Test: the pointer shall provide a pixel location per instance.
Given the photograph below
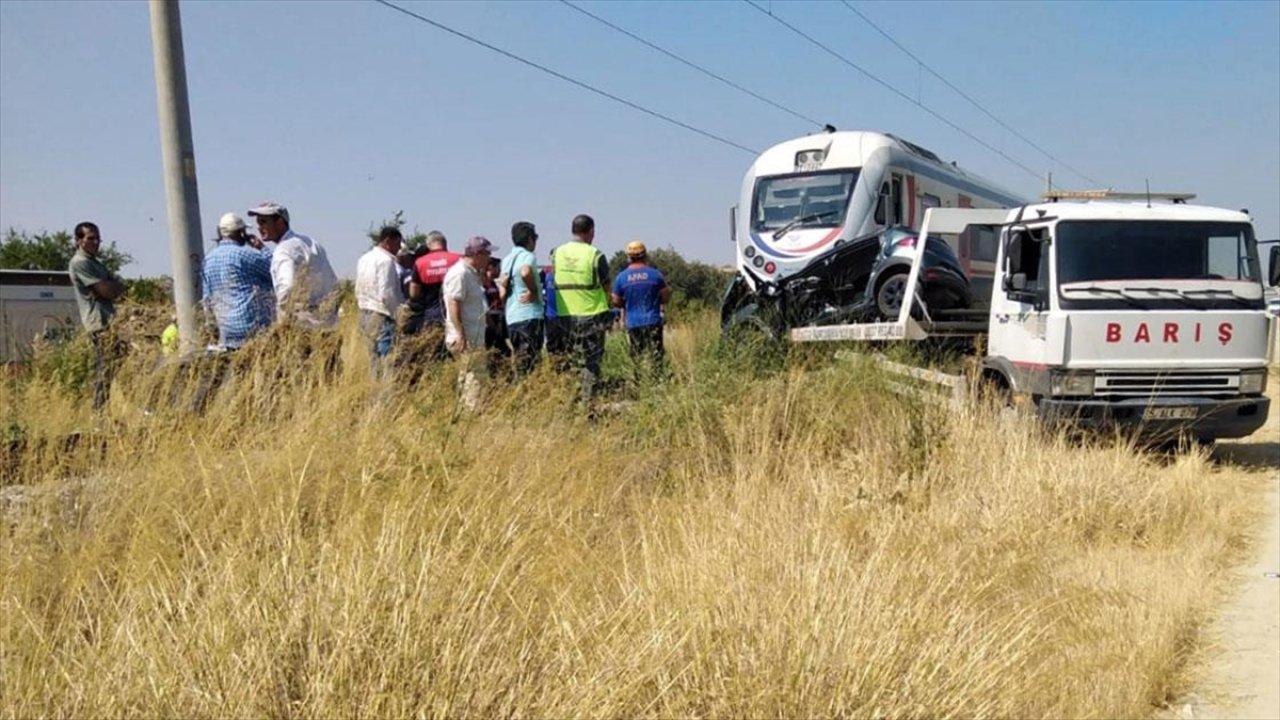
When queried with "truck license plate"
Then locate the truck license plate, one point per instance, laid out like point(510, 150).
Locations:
point(1185, 412)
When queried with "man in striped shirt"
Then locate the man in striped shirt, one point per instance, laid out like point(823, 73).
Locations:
point(236, 280)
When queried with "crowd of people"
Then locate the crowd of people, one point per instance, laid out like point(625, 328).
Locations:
point(484, 312)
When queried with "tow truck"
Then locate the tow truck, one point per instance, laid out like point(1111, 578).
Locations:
point(1108, 310)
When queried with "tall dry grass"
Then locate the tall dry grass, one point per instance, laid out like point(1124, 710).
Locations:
point(743, 540)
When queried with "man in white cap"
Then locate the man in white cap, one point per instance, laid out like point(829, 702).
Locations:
point(300, 270)
point(465, 309)
point(236, 281)
point(231, 227)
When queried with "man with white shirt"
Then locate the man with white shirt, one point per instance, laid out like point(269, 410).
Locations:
point(379, 294)
point(465, 308)
point(304, 281)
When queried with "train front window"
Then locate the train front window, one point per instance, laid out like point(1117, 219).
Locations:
point(803, 200)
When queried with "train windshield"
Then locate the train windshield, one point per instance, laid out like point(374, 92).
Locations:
point(1156, 250)
point(803, 200)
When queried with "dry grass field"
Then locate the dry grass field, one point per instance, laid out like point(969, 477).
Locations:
point(747, 539)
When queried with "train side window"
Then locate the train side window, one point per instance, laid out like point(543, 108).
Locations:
point(930, 201)
point(881, 216)
point(983, 244)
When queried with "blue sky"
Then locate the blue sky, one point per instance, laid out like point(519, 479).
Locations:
point(348, 111)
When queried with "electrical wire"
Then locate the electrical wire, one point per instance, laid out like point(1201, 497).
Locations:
point(886, 85)
point(572, 81)
point(965, 95)
point(693, 65)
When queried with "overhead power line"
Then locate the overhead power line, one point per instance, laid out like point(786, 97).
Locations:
point(963, 94)
point(886, 85)
point(572, 81)
point(693, 65)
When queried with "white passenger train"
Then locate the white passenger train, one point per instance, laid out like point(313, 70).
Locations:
point(804, 197)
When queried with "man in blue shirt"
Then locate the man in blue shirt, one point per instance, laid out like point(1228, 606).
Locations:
point(520, 286)
point(236, 281)
point(641, 291)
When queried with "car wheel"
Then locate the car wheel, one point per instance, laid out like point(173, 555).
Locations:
point(889, 294)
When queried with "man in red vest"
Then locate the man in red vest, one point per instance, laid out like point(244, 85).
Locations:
point(429, 271)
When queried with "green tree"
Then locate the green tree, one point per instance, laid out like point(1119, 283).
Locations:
point(413, 239)
point(51, 251)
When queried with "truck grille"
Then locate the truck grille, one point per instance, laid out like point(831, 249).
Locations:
point(1148, 383)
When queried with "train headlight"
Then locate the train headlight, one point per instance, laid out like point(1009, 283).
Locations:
point(1071, 383)
point(1253, 382)
point(808, 160)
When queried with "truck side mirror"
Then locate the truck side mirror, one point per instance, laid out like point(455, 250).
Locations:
point(1273, 272)
point(733, 224)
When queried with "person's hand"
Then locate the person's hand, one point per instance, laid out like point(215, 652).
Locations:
point(255, 242)
point(526, 297)
point(459, 344)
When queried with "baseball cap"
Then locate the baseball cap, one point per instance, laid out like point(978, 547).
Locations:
point(477, 245)
point(230, 223)
point(635, 248)
point(270, 208)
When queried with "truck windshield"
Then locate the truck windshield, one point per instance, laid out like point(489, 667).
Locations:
point(814, 199)
point(1090, 251)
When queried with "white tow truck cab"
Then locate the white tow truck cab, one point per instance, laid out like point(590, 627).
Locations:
point(1105, 313)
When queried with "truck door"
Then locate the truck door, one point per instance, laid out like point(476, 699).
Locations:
point(1019, 342)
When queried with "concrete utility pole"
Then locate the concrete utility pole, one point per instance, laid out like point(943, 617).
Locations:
point(179, 167)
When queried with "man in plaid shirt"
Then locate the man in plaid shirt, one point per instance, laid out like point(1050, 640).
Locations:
point(237, 284)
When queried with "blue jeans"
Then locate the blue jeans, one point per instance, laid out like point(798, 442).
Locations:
point(380, 331)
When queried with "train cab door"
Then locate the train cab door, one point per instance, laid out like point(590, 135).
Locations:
point(897, 210)
point(891, 209)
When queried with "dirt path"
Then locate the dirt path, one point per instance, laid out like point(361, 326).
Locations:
point(1243, 680)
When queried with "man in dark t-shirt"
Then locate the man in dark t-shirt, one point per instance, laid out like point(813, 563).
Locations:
point(641, 291)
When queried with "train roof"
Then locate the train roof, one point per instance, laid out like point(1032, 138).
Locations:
point(852, 148)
